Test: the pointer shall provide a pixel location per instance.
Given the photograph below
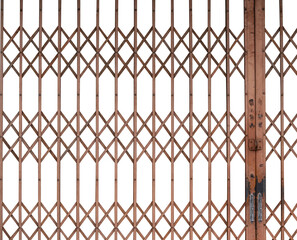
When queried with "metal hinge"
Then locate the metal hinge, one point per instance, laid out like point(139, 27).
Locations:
point(255, 144)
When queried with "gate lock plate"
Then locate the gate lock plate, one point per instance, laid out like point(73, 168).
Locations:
point(255, 144)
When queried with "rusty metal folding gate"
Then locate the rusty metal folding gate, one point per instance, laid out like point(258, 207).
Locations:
point(148, 119)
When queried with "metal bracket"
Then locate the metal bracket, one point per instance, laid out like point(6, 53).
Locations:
point(252, 207)
point(255, 144)
point(259, 207)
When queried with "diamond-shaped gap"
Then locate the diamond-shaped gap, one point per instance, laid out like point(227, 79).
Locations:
point(218, 42)
point(126, 225)
point(126, 48)
point(106, 130)
point(88, 70)
point(218, 67)
point(181, 50)
point(200, 51)
point(236, 53)
point(181, 225)
point(88, 50)
point(87, 226)
point(290, 52)
point(124, 142)
point(163, 50)
point(106, 50)
point(11, 135)
point(291, 135)
point(144, 136)
point(218, 138)
point(50, 52)
point(219, 226)
point(10, 225)
point(68, 130)
point(181, 126)
point(181, 67)
point(30, 226)
point(125, 118)
point(237, 136)
point(11, 152)
point(70, 48)
point(11, 50)
point(11, 72)
point(49, 225)
point(163, 134)
point(200, 226)
point(144, 226)
point(273, 134)
point(87, 133)
point(182, 151)
point(105, 225)
point(145, 50)
point(273, 224)
point(162, 227)
point(200, 148)
point(291, 224)
point(49, 135)
point(30, 49)
point(88, 152)
point(67, 226)
point(50, 43)
point(238, 225)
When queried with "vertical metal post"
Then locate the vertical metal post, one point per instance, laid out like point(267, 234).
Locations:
point(97, 125)
point(191, 114)
point(228, 118)
point(249, 33)
point(135, 125)
point(39, 117)
point(20, 118)
point(172, 119)
point(281, 35)
point(116, 120)
point(209, 113)
point(59, 124)
point(1, 120)
point(154, 120)
point(260, 116)
point(78, 124)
